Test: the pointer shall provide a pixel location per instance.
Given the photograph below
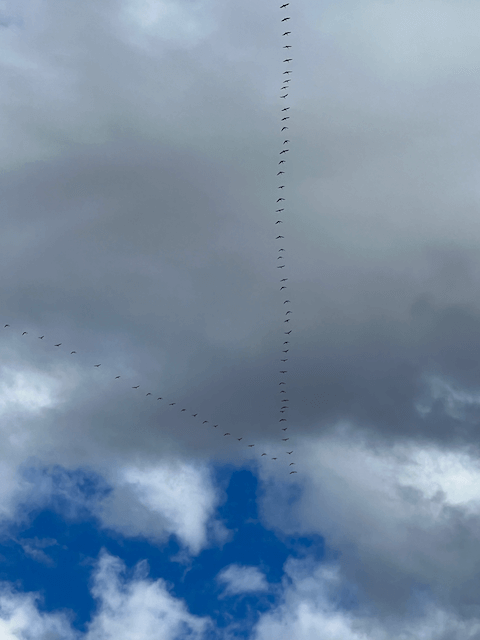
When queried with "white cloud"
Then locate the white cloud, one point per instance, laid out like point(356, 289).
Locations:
point(239, 579)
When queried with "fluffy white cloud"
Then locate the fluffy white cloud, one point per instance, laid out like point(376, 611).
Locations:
point(239, 579)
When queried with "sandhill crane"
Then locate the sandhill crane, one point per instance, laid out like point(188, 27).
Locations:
point(23, 332)
point(148, 394)
point(205, 422)
point(283, 129)
point(287, 33)
point(75, 352)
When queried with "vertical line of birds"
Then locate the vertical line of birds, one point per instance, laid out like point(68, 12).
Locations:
point(285, 116)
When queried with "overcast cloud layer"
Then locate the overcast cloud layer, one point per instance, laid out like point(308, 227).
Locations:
point(139, 157)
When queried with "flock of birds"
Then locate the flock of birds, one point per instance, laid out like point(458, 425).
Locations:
point(286, 342)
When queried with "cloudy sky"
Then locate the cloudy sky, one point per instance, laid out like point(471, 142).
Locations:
point(140, 142)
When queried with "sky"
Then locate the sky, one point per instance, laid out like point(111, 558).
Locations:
point(140, 147)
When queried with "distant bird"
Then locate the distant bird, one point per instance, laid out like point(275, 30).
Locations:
point(57, 345)
point(97, 365)
point(289, 452)
point(194, 415)
point(226, 434)
point(274, 458)
point(279, 210)
point(287, 33)
point(279, 199)
point(288, 60)
point(281, 249)
point(287, 46)
point(285, 428)
point(279, 222)
point(284, 151)
point(284, 95)
point(292, 472)
point(159, 398)
point(263, 454)
point(183, 409)
point(282, 187)
point(288, 332)
point(116, 377)
point(171, 404)
point(284, 5)
point(284, 20)
point(285, 351)
point(279, 237)
point(284, 280)
point(215, 425)
point(286, 301)
point(282, 161)
point(285, 141)
point(283, 129)
point(282, 288)
point(136, 387)
point(285, 108)
point(283, 371)
point(281, 383)
point(285, 439)
point(284, 360)
point(280, 172)
point(73, 352)
point(40, 337)
point(282, 420)
point(22, 333)
point(148, 394)
point(281, 266)
point(239, 439)
point(280, 258)
point(286, 72)
point(251, 445)
point(291, 464)
point(288, 312)
point(205, 422)
point(7, 325)
point(286, 117)
point(287, 320)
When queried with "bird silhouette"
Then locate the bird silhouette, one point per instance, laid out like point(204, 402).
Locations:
point(23, 332)
point(284, 95)
point(281, 266)
point(285, 141)
point(284, 428)
point(97, 365)
point(282, 420)
point(251, 445)
point(226, 434)
point(279, 210)
point(136, 387)
point(288, 60)
point(263, 454)
point(148, 394)
point(279, 199)
point(285, 439)
point(205, 422)
point(285, 351)
point(57, 345)
point(74, 352)
point(283, 371)
point(274, 458)
point(287, 33)
point(286, 301)
point(285, 108)
point(282, 288)
point(288, 332)
point(286, 117)
point(215, 425)
point(281, 383)
point(284, 151)
point(285, 19)
point(284, 280)
point(280, 172)
point(171, 404)
point(291, 464)
point(281, 249)
point(279, 222)
point(194, 415)
point(279, 237)
point(280, 258)
point(183, 409)
point(159, 398)
point(283, 129)
point(288, 312)
point(282, 187)
point(292, 472)
point(284, 360)
point(286, 72)
point(7, 325)
point(239, 439)
point(116, 377)
point(282, 161)
point(289, 452)
point(41, 337)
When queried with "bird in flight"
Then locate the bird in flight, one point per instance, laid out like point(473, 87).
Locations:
point(279, 222)
point(291, 464)
point(148, 394)
point(288, 312)
point(273, 458)
point(286, 117)
point(283, 372)
point(287, 320)
point(159, 398)
point(282, 162)
point(40, 337)
point(7, 325)
point(284, 280)
point(279, 210)
point(117, 377)
point(288, 332)
point(287, 46)
point(288, 60)
point(285, 351)
point(215, 425)
point(194, 415)
point(75, 352)
point(285, 19)
point(284, 428)
point(285, 108)
point(251, 445)
point(282, 420)
point(286, 72)
point(279, 237)
point(283, 129)
point(171, 404)
point(183, 409)
point(292, 472)
point(57, 345)
point(284, 151)
point(97, 365)
point(205, 422)
point(289, 452)
point(284, 95)
point(239, 439)
point(285, 439)
point(136, 387)
point(287, 33)
point(282, 288)
point(284, 5)
point(286, 301)
point(263, 454)
point(281, 249)
point(23, 332)
point(280, 172)
point(280, 199)
point(284, 360)
point(282, 187)
point(285, 141)
point(226, 434)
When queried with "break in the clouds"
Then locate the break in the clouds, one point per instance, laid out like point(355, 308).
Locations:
point(140, 146)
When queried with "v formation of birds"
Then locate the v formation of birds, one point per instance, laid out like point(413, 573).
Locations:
point(285, 347)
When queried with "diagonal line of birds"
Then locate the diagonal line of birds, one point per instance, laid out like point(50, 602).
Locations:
point(286, 342)
point(58, 345)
